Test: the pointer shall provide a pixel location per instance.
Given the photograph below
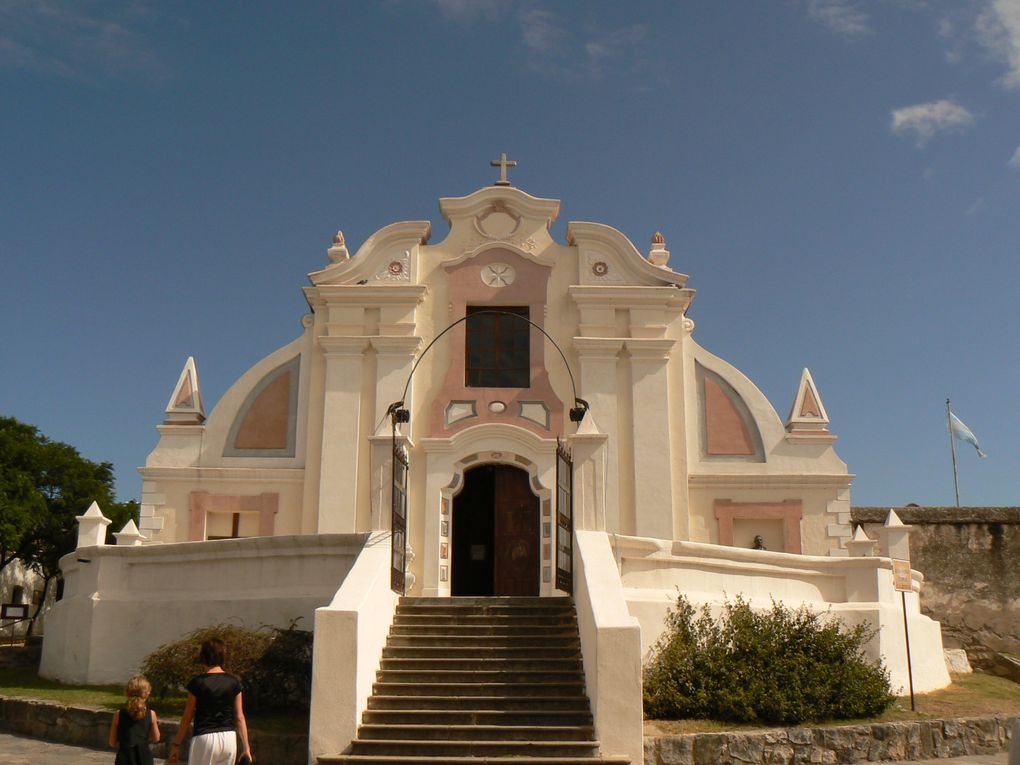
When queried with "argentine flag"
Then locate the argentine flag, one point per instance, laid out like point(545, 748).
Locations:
point(963, 433)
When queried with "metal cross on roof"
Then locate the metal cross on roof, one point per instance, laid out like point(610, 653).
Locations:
point(503, 163)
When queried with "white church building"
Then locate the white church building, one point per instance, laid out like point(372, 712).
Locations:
point(484, 413)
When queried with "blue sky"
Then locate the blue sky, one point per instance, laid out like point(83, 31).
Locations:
point(841, 181)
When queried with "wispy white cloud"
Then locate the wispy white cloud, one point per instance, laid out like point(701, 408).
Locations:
point(998, 30)
point(69, 39)
point(586, 54)
point(1014, 161)
point(541, 32)
point(842, 16)
point(923, 121)
point(467, 11)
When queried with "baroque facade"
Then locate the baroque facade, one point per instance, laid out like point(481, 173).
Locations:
point(495, 413)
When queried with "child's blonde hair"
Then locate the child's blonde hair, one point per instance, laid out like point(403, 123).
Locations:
point(138, 690)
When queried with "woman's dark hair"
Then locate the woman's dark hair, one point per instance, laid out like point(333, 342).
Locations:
point(213, 653)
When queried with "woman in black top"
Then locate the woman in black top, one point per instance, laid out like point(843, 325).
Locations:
point(214, 700)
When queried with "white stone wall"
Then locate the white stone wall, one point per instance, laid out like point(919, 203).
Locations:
point(856, 590)
point(120, 603)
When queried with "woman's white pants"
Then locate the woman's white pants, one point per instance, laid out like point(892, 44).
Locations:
point(218, 748)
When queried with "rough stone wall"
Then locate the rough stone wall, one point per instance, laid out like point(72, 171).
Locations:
point(970, 558)
point(879, 742)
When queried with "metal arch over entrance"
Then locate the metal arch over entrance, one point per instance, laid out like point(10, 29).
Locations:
point(398, 414)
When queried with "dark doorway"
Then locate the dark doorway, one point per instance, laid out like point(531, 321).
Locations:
point(495, 533)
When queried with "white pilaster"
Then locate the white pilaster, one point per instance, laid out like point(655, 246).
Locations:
point(653, 501)
point(345, 358)
point(598, 357)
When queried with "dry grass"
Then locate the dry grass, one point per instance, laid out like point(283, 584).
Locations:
point(974, 695)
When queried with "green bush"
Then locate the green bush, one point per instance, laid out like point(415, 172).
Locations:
point(778, 666)
point(274, 665)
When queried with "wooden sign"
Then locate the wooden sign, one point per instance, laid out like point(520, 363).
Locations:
point(902, 580)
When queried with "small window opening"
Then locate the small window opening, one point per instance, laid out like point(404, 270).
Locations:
point(498, 347)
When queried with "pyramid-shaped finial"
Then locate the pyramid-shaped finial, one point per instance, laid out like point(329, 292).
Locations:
point(338, 250)
point(92, 527)
point(185, 405)
point(861, 545)
point(129, 535)
point(807, 415)
point(892, 520)
point(658, 255)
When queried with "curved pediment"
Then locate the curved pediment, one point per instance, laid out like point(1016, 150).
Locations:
point(386, 256)
point(608, 258)
point(500, 215)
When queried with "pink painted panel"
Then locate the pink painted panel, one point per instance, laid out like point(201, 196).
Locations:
point(202, 503)
point(727, 431)
point(789, 511)
point(466, 288)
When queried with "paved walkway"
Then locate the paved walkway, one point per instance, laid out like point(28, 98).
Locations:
point(18, 750)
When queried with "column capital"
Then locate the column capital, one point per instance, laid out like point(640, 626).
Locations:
point(649, 349)
point(395, 345)
point(343, 346)
point(598, 347)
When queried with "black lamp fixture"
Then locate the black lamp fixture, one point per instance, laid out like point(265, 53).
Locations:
point(579, 410)
point(397, 413)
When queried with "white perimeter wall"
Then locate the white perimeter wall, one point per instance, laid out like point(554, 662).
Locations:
point(122, 602)
point(856, 590)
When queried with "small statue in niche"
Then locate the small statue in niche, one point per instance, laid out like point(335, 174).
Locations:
point(759, 543)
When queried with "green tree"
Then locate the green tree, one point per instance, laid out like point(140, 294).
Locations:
point(44, 485)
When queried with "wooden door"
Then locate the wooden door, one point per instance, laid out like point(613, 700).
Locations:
point(517, 533)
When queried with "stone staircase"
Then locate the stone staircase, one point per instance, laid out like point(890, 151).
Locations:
point(472, 681)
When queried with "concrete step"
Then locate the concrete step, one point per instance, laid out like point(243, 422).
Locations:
point(363, 759)
point(421, 688)
point(489, 620)
point(496, 748)
point(475, 677)
point(487, 664)
point(489, 602)
point(483, 641)
point(469, 651)
point(573, 702)
point(499, 717)
point(516, 629)
point(471, 732)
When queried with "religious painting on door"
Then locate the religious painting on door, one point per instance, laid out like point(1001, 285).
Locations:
point(564, 519)
point(398, 520)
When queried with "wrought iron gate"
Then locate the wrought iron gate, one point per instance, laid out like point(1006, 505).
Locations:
point(398, 519)
point(564, 519)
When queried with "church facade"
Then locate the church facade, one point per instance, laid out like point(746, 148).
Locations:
point(495, 413)
point(675, 443)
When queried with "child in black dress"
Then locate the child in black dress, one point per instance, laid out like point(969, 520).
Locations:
point(134, 726)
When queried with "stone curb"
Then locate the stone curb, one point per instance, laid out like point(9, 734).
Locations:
point(90, 727)
point(873, 742)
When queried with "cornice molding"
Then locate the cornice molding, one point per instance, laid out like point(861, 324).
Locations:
point(769, 480)
point(285, 475)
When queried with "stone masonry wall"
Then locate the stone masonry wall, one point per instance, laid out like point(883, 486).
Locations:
point(879, 742)
point(970, 558)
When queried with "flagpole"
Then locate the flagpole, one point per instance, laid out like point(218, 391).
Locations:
point(952, 447)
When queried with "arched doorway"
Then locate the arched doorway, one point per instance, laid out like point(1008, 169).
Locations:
point(496, 533)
